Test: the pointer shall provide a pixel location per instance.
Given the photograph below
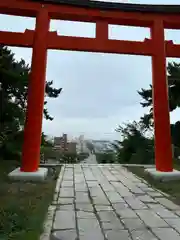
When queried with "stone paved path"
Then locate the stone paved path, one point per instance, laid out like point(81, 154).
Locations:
point(106, 202)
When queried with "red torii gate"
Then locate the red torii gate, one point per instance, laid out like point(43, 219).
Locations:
point(152, 16)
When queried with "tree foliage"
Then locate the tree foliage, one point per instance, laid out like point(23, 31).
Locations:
point(173, 76)
point(134, 147)
point(90, 146)
point(14, 78)
point(105, 157)
point(175, 132)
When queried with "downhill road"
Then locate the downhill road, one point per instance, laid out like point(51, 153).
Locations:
point(90, 160)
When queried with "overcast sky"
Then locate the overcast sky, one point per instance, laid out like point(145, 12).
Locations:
point(99, 90)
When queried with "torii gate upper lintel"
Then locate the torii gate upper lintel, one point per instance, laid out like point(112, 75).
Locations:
point(156, 17)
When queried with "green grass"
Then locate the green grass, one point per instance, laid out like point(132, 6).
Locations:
point(172, 187)
point(23, 205)
point(177, 166)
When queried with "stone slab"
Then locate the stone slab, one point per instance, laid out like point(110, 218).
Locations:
point(64, 219)
point(124, 192)
point(82, 197)
point(151, 219)
point(100, 200)
point(92, 183)
point(162, 211)
point(114, 197)
point(86, 215)
point(91, 235)
point(166, 233)
point(67, 184)
point(38, 176)
point(65, 201)
point(167, 203)
point(126, 213)
point(108, 216)
point(135, 203)
point(177, 212)
point(136, 190)
point(120, 205)
point(106, 186)
point(175, 223)
point(86, 207)
point(64, 235)
point(86, 225)
point(163, 176)
point(146, 199)
point(112, 225)
point(66, 192)
point(96, 191)
point(143, 235)
point(133, 224)
point(117, 235)
point(149, 190)
point(80, 188)
point(155, 194)
point(103, 208)
point(68, 207)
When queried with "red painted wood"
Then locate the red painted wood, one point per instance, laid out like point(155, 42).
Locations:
point(19, 8)
point(87, 44)
point(33, 126)
point(65, 12)
point(102, 31)
point(172, 50)
point(163, 148)
point(98, 45)
point(17, 39)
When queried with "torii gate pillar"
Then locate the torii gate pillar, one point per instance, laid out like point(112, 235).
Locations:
point(36, 89)
point(163, 147)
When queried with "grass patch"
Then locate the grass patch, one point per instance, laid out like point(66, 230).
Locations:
point(23, 205)
point(172, 187)
point(177, 166)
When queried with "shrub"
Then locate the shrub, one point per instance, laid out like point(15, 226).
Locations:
point(105, 157)
point(82, 156)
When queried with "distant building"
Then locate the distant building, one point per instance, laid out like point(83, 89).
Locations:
point(62, 144)
point(81, 146)
point(71, 146)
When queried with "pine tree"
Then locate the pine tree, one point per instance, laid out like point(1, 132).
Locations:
point(14, 77)
point(173, 75)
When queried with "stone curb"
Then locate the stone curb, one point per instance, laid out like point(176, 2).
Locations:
point(48, 223)
point(138, 165)
point(144, 181)
point(58, 183)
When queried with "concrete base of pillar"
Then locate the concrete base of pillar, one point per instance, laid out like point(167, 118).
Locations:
point(37, 176)
point(163, 176)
